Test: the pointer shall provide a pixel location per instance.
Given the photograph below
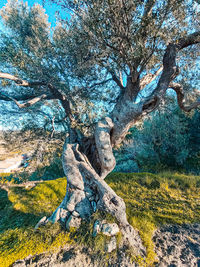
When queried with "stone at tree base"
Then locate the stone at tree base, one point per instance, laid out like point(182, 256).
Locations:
point(41, 222)
point(75, 214)
point(70, 207)
point(73, 222)
point(112, 245)
point(94, 206)
point(96, 228)
point(109, 229)
point(75, 197)
point(64, 214)
point(20, 263)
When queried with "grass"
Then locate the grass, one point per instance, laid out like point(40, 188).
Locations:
point(151, 200)
point(156, 199)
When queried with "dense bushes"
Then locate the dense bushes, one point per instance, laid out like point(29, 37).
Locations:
point(164, 141)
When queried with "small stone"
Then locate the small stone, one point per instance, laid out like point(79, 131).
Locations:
point(96, 228)
point(70, 207)
point(64, 214)
point(73, 222)
point(94, 206)
point(19, 263)
point(109, 229)
point(75, 214)
point(112, 245)
point(41, 222)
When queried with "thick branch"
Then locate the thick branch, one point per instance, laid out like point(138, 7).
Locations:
point(30, 102)
point(63, 99)
point(180, 98)
point(118, 81)
point(191, 39)
point(103, 145)
point(126, 112)
point(100, 83)
point(56, 93)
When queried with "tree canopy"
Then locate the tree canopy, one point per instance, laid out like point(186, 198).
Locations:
point(101, 53)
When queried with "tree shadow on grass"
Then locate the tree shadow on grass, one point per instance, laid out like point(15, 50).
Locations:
point(10, 218)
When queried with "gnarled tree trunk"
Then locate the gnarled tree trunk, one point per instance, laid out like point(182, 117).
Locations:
point(86, 163)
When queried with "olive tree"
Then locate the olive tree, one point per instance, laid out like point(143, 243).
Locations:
point(117, 58)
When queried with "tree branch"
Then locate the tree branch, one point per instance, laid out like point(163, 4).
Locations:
point(180, 97)
point(56, 94)
point(28, 103)
point(170, 69)
point(147, 79)
point(19, 81)
point(126, 112)
point(191, 39)
point(100, 83)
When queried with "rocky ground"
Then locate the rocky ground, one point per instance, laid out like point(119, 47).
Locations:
point(73, 257)
point(176, 246)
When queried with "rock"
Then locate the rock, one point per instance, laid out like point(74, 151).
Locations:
point(112, 245)
point(64, 214)
point(73, 222)
point(41, 222)
point(71, 207)
point(75, 214)
point(96, 228)
point(94, 206)
point(178, 245)
point(109, 229)
point(19, 263)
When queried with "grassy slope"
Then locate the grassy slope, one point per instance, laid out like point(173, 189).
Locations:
point(151, 200)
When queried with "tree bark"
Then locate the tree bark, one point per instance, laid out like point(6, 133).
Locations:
point(85, 166)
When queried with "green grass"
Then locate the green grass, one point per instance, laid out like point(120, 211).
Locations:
point(156, 199)
point(151, 200)
point(20, 210)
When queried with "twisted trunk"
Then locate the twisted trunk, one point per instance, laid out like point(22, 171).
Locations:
point(86, 163)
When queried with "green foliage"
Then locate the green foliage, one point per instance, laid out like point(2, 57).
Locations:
point(169, 139)
point(100, 40)
point(151, 200)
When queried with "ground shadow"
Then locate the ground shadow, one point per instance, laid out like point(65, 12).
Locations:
point(10, 218)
